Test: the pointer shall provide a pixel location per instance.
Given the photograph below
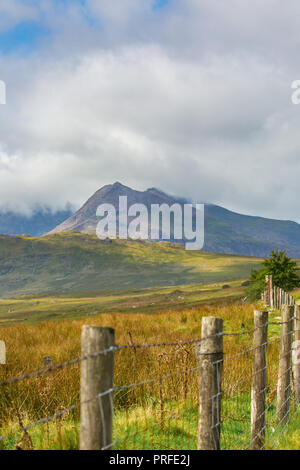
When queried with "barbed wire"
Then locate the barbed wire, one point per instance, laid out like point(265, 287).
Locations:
point(56, 367)
point(159, 378)
point(58, 414)
point(100, 395)
point(71, 362)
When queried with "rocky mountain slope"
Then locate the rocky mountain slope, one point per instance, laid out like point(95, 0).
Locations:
point(225, 231)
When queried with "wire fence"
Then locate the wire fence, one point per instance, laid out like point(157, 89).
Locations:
point(228, 390)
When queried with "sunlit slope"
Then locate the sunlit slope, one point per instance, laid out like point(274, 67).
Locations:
point(150, 300)
point(72, 262)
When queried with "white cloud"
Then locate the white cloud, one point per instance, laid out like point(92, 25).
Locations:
point(196, 102)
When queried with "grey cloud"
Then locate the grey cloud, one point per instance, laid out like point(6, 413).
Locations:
point(194, 99)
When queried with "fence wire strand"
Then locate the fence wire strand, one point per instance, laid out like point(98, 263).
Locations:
point(161, 412)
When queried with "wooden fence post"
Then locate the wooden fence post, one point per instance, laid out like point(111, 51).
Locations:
point(267, 290)
point(280, 298)
point(211, 365)
point(259, 380)
point(296, 355)
point(96, 377)
point(47, 361)
point(284, 371)
point(2, 353)
point(271, 292)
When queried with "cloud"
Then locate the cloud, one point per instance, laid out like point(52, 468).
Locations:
point(14, 12)
point(191, 98)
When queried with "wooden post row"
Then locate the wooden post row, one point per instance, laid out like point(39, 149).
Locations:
point(96, 411)
point(211, 365)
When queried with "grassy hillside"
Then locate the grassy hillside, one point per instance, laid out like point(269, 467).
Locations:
point(74, 262)
point(158, 414)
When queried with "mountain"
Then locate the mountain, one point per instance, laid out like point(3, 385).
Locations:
point(85, 219)
point(36, 224)
point(225, 231)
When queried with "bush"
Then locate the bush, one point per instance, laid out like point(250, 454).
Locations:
point(281, 267)
point(254, 290)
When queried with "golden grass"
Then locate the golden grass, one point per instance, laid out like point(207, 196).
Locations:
point(33, 399)
point(27, 345)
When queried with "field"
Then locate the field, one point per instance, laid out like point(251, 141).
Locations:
point(71, 275)
point(33, 309)
point(64, 281)
point(162, 414)
point(77, 263)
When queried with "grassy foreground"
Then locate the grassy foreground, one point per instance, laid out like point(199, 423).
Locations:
point(142, 429)
point(160, 414)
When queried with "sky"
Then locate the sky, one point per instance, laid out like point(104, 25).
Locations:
point(189, 96)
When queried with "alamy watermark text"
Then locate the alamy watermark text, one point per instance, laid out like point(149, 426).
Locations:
point(181, 222)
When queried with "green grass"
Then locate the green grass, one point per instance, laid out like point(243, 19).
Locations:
point(153, 416)
point(287, 437)
point(173, 428)
point(74, 262)
point(33, 309)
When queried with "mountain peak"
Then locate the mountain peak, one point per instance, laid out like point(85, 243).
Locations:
point(225, 231)
point(156, 191)
point(117, 184)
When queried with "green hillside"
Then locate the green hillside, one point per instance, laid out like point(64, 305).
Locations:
point(75, 262)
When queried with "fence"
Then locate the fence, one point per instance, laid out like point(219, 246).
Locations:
point(225, 390)
point(274, 296)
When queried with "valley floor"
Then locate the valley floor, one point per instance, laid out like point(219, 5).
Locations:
point(33, 309)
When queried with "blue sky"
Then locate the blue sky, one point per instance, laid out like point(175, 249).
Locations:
point(23, 37)
point(160, 4)
point(26, 36)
